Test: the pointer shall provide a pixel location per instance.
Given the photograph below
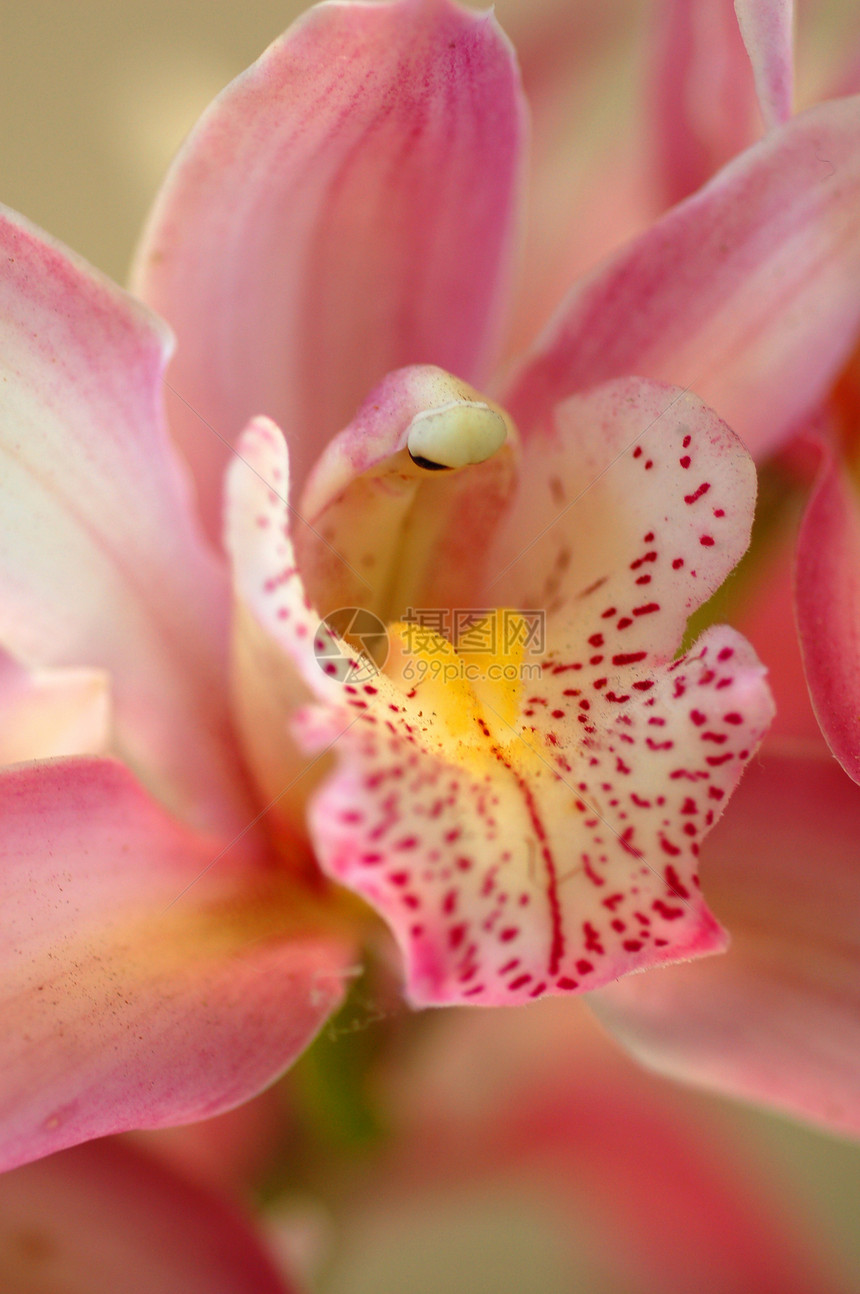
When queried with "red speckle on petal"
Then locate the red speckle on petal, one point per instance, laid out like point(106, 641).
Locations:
point(674, 883)
point(666, 912)
point(592, 939)
point(457, 934)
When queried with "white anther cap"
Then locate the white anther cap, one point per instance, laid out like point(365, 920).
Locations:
point(456, 435)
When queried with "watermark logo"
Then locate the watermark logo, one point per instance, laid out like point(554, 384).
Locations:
point(352, 643)
point(475, 631)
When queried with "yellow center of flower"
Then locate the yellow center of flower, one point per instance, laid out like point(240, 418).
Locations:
point(473, 689)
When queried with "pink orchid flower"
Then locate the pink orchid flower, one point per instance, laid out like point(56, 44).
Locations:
point(337, 234)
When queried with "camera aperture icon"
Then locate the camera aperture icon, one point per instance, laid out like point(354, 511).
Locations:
point(351, 644)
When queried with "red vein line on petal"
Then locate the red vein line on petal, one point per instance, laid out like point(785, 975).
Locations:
point(682, 897)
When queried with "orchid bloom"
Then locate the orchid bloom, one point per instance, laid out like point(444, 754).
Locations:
point(337, 234)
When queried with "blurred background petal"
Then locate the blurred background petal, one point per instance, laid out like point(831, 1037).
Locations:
point(105, 1217)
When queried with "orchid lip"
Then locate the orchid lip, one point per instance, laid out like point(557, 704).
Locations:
point(525, 815)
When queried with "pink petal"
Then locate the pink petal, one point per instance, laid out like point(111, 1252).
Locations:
point(100, 564)
point(776, 1020)
point(828, 611)
point(767, 29)
point(232, 1152)
point(747, 293)
point(105, 1217)
point(151, 976)
point(589, 148)
point(766, 617)
point(705, 103)
point(634, 505)
point(51, 712)
point(344, 208)
point(276, 628)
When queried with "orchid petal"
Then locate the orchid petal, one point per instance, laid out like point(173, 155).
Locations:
point(766, 617)
point(828, 612)
point(496, 835)
point(767, 29)
point(633, 506)
point(151, 976)
point(106, 1217)
point(589, 151)
point(344, 208)
point(100, 564)
point(231, 1152)
point(276, 629)
point(51, 712)
point(706, 109)
point(776, 1020)
point(748, 292)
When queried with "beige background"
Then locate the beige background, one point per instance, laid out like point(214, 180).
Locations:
point(96, 96)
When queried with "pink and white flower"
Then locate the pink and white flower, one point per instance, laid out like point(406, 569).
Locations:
point(337, 234)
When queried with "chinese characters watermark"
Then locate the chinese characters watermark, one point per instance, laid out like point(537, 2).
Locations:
point(471, 643)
